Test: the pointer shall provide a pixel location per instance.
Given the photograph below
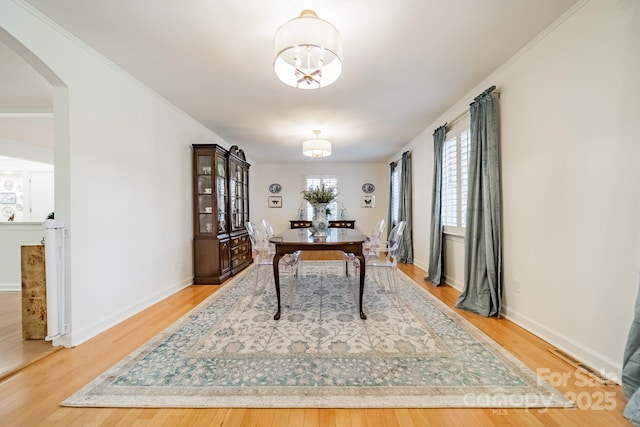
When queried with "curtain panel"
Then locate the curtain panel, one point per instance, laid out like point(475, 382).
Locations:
point(436, 258)
point(482, 291)
point(392, 169)
point(405, 249)
point(631, 369)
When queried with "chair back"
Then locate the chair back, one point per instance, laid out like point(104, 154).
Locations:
point(377, 230)
point(374, 246)
point(259, 244)
point(268, 229)
point(395, 237)
point(252, 230)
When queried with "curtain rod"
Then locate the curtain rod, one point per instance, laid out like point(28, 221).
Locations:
point(465, 112)
point(458, 117)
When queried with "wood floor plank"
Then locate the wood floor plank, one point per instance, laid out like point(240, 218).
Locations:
point(15, 352)
point(31, 397)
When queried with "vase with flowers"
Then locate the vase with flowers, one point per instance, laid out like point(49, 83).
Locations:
point(319, 198)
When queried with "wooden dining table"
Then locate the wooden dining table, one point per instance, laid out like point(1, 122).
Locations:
point(336, 239)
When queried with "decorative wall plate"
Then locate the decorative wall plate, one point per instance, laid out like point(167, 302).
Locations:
point(368, 187)
point(275, 188)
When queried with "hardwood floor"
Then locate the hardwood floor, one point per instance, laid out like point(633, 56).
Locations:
point(16, 353)
point(31, 396)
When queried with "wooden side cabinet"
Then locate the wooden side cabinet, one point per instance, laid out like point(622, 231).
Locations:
point(217, 229)
point(343, 223)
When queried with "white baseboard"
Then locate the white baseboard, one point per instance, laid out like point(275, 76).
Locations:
point(420, 265)
point(80, 335)
point(10, 287)
point(453, 283)
point(605, 366)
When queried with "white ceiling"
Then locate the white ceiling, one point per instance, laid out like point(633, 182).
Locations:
point(405, 63)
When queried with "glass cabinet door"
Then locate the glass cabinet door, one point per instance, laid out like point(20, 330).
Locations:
point(204, 194)
point(221, 189)
point(238, 186)
point(245, 196)
point(233, 201)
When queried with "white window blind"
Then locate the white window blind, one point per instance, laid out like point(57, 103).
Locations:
point(395, 193)
point(315, 181)
point(455, 163)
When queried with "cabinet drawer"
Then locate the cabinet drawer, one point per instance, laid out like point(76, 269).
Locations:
point(239, 259)
point(239, 241)
point(239, 250)
point(300, 224)
point(342, 224)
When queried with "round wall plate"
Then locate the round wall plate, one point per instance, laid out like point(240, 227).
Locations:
point(7, 211)
point(275, 188)
point(368, 187)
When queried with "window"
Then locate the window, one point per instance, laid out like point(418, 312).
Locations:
point(395, 194)
point(455, 163)
point(313, 181)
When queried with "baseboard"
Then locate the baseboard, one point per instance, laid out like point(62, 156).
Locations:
point(10, 287)
point(78, 336)
point(420, 265)
point(605, 366)
point(453, 283)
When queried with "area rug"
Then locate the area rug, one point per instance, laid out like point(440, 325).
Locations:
point(412, 351)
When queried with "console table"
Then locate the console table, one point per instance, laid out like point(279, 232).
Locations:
point(341, 223)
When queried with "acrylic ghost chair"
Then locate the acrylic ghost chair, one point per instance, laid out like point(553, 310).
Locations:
point(268, 229)
point(388, 263)
point(263, 253)
point(374, 240)
point(370, 249)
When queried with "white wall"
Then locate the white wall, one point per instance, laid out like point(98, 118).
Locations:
point(291, 177)
point(32, 184)
point(571, 205)
point(122, 158)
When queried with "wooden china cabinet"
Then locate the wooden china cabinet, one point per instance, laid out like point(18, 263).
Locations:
point(221, 245)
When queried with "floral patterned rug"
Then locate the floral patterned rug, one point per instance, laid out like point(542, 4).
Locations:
point(412, 351)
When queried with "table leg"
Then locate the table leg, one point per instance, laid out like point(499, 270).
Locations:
point(362, 273)
point(276, 277)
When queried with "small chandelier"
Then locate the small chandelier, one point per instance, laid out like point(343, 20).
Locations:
point(316, 148)
point(308, 52)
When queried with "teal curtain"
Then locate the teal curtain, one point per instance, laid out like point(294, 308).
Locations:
point(392, 169)
point(482, 291)
point(436, 258)
point(631, 369)
point(405, 249)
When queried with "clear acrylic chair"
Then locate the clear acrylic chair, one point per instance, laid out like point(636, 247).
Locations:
point(268, 229)
point(263, 251)
point(388, 263)
point(262, 258)
point(370, 249)
point(374, 246)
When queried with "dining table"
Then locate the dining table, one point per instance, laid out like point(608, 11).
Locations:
point(334, 239)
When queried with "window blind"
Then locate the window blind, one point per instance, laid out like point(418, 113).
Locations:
point(455, 158)
point(314, 181)
point(395, 193)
